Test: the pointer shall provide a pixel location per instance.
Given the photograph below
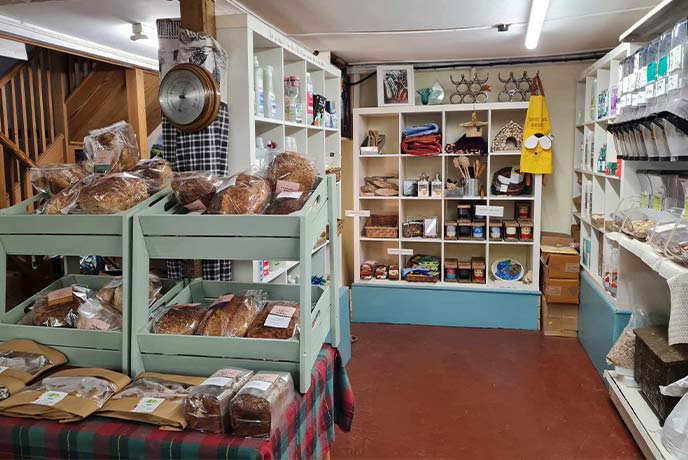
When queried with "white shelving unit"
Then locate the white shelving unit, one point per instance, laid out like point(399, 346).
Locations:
point(244, 36)
point(391, 122)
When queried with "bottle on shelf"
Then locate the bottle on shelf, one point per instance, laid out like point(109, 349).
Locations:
point(293, 108)
point(309, 98)
point(259, 101)
point(270, 99)
point(261, 152)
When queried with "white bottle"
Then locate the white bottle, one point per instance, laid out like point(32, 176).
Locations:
point(259, 101)
point(309, 98)
point(270, 99)
point(260, 152)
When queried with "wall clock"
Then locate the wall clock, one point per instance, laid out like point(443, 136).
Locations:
point(189, 97)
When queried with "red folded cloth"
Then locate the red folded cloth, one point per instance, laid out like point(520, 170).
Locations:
point(422, 145)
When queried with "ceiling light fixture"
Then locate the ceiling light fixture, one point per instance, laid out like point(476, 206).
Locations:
point(538, 11)
point(137, 30)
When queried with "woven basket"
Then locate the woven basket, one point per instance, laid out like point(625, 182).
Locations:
point(422, 279)
point(382, 226)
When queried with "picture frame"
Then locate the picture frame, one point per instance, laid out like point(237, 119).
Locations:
point(395, 85)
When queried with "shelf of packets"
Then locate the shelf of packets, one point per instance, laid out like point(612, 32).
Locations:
point(81, 209)
point(231, 400)
point(206, 325)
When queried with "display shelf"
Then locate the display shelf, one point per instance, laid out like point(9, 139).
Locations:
point(512, 198)
point(638, 417)
point(165, 231)
point(378, 197)
point(505, 154)
point(490, 285)
point(656, 21)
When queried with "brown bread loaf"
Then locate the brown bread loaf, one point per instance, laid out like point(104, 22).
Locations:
point(182, 319)
point(242, 194)
point(293, 171)
point(112, 193)
point(261, 403)
point(274, 322)
point(229, 316)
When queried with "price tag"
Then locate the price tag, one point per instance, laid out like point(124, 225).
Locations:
point(277, 321)
point(148, 405)
point(286, 186)
point(660, 87)
point(50, 398)
point(675, 58)
point(262, 386)
point(491, 211)
point(402, 252)
point(217, 381)
point(650, 91)
point(290, 195)
point(352, 213)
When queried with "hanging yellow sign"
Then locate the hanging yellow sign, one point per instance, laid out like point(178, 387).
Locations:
point(536, 150)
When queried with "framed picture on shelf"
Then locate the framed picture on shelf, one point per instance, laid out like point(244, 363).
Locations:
point(395, 85)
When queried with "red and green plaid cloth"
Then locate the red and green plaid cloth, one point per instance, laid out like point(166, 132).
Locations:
point(307, 431)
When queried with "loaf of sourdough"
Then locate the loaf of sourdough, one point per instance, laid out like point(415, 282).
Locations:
point(112, 193)
point(53, 178)
point(285, 203)
point(290, 167)
point(156, 171)
point(64, 201)
point(229, 316)
point(182, 319)
point(258, 329)
point(246, 195)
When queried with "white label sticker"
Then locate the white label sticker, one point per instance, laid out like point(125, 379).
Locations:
point(277, 321)
point(3, 369)
point(650, 91)
point(217, 381)
point(672, 82)
point(660, 87)
point(260, 385)
point(286, 186)
point(352, 213)
point(572, 268)
point(675, 58)
point(290, 195)
point(492, 211)
point(283, 310)
point(148, 405)
point(50, 398)
point(266, 377)
point(397, 251)
point(503, 187)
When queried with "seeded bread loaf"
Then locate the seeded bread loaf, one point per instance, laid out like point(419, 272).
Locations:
point(229, 316)
point(242, 194)
point(290, 171)
point(112, 193)
point(182, 319)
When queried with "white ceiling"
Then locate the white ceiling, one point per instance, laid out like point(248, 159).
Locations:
point(361, 31)
point(341, 26)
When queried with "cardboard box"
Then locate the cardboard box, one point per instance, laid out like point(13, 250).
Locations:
point(560, 319)
point(561, 290)
point(561, 262)
point(555, 239)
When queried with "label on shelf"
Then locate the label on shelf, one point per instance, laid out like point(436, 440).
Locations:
point(660, 87)
point(352, 213)
point(491, 211)
point(675, 58)
point(401, 252)
point(673, 82)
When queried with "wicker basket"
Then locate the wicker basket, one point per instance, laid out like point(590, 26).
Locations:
point(412, 278)
point(382, 226)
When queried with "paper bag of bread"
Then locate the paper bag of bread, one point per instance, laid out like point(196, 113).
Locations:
point(112, 193)
point(111, 149)
point(23, 360)
point(241, 194)
point(112, 293)
point(53, 178)
point(157, 172)
point(278, 319)
point(180, 319)
point(291, 172)
point(288, 202)
point(260, 404)
point(153, 398)
point(195, 190)
point(231, 314)
point(207, 405)
point(60, 308)
point(67, 396)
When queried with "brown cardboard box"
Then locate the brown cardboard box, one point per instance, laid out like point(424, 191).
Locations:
point(561, 290)
point(560, 319)
point(561, 262)
point(555, 239)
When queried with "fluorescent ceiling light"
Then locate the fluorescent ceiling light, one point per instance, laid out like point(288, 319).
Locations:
point(538, 11)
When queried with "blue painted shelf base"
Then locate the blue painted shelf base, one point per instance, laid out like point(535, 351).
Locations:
point(436, 306)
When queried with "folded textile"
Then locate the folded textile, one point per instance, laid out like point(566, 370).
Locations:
point(422, 145)
point(421, 130)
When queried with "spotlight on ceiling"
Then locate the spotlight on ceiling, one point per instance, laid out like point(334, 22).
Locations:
point(502, 27)
point(137, 30)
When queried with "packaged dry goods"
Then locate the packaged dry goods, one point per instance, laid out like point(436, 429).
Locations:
point(232, 314)
point(60, 308)
point(288, 202)
point(67, 396)
point(261, 403)
point(153, 398)
point(194, 190)
point(639, 222)
point(180, 319)
point(658, 236)
point(112, 193)
point(112, 148)
point(157, 171)
point(241, 194)
point(279, 319)
point(677, 244)
point(622, 353)
point(112, 293)
point(291, 172)
point(23, 360)
point(53, 178)
point(207, 405)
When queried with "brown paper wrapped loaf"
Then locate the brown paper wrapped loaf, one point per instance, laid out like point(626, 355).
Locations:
point(290, 167)
point(229, 316)
point(246, 195)
point(157, 171)
point(53, 178)
point(112, 194)
point(189, 187)
point(259, 329)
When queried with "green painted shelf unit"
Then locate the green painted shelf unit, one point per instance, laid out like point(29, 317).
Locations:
point(164, 232)
point(23, 232)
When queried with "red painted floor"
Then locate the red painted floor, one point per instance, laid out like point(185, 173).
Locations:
point(449, 393)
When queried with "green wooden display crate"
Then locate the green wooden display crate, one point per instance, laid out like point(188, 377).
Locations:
point(23, 232)
point(164, 232)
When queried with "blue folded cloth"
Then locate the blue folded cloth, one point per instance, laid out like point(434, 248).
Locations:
point(421, 130)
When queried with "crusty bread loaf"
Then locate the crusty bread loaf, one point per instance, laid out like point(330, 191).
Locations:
point(259, 330)
point(229, 318)
point(193, 186)
point(290, 167)
point(261, 403)
point(282, 204)
point(53, 178)
point(112, 193)
point(181, 319)
point(157, 171)
point(64, 201)
point(246, 195)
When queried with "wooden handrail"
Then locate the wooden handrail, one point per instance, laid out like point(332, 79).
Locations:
point(16, 151)
point(12, 72)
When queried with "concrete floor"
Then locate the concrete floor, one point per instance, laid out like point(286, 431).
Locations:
point(449, 393)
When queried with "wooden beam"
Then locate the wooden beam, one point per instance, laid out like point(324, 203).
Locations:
point(198, 15)
point(58, 94)
point(136, 107)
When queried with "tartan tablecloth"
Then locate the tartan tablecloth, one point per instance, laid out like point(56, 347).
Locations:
point(307, 430)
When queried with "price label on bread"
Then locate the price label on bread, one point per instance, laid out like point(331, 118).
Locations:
point(292, 195)
point(286, 186)
point(196, 206)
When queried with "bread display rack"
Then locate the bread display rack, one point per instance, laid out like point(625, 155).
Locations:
point(161, 233)
point(24, 233)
